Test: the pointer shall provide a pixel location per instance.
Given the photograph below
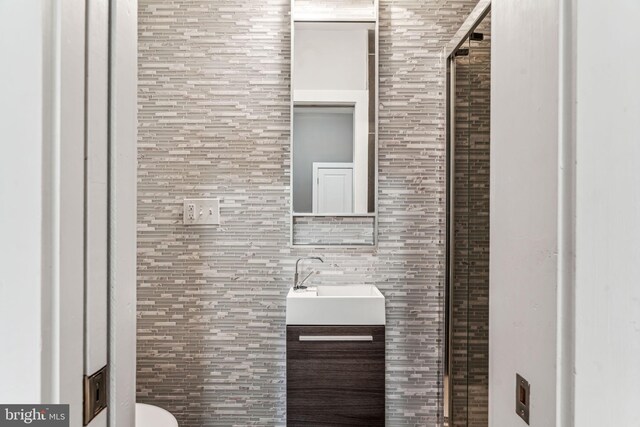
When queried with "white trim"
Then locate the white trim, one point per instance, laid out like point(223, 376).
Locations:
point(565, 322)
point(122, 203)
point(96, 187)
point(50, 218)
point(68, 243)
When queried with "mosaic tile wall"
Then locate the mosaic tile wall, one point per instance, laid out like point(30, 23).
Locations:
point(214, 122)
point(470, 378)
point(308, 230)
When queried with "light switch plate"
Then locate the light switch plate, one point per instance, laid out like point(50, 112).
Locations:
point(201, 212)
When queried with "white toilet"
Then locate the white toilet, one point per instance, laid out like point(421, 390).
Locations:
point(153, 416)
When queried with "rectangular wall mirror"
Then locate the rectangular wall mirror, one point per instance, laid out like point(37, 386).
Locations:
point(334, 75)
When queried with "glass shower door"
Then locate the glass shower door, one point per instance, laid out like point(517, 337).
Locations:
point(468, 237)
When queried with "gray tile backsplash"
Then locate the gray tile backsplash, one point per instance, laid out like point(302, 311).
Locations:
point(214, 90)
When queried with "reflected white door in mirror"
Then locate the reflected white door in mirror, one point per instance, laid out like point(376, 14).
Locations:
point(332, 187)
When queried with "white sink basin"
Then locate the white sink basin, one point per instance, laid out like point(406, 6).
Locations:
point(336, 305)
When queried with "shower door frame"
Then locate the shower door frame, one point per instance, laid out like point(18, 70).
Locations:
point(449, 52)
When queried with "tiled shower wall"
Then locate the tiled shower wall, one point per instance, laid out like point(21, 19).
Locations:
point(214, 122)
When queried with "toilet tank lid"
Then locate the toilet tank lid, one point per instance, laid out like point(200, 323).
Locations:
point(154, 416)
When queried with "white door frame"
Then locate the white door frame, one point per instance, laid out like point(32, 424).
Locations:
point(56, 69)
point(63, 209)
point(66, 197)
point(122, 217)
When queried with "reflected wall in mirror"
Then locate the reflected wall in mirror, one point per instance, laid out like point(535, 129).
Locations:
point(323, 159)
point(334, 123)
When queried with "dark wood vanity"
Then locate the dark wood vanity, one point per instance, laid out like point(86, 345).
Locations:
point(335, 375)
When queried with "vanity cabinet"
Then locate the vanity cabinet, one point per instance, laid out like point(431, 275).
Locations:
point(335, 375)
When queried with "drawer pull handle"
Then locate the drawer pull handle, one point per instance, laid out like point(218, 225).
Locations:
point(336, 338)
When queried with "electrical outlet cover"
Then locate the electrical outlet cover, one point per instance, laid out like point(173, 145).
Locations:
point(201, 212)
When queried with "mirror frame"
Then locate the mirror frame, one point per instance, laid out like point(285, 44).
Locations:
point(322, 18)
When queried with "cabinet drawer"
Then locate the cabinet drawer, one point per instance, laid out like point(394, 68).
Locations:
point(335, 375)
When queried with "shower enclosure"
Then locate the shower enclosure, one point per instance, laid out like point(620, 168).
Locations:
point(468, 62)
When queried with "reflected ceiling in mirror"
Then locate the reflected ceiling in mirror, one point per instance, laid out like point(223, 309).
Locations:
point(335, 10)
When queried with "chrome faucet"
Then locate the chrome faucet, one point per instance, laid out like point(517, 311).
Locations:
point(296, 285)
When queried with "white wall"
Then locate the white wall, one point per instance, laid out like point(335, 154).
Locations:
point(22, 32)
point(524, 208)
point(607, 301)
point(565, 155)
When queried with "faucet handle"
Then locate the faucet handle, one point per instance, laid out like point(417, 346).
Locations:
point(305, 279)
point(297, 285)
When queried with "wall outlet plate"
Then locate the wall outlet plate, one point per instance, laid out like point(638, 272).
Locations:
point(523, 398)
point(201, 212)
